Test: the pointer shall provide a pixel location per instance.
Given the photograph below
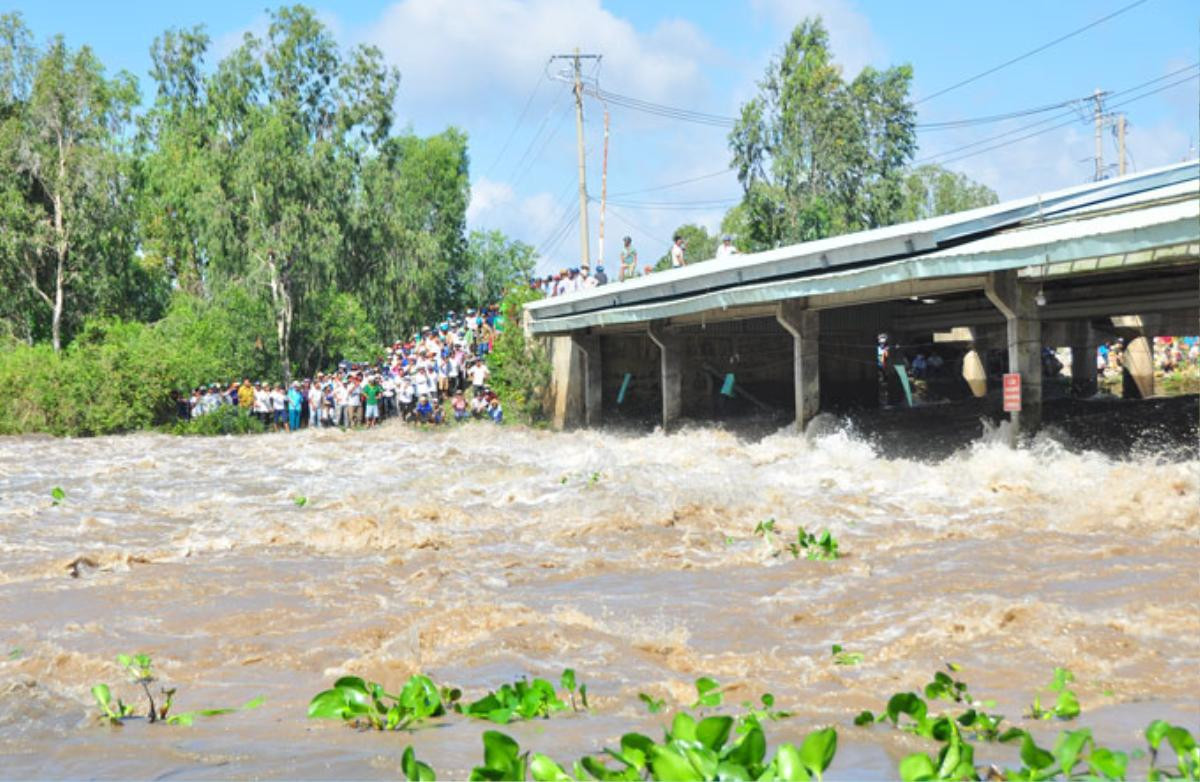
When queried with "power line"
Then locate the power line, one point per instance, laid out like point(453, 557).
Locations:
point(528, 102)
point(1073, 112)
point(1073, 121)
point(1031, 52)
point(669, 185)
point(536, 136)
point(954, 124)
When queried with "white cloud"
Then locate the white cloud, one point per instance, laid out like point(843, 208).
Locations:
point(470, 51)
point(853, 41)
point(486, 196)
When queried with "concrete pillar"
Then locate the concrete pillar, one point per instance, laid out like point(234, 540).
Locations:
point(1138, 368)
point(589, 346)
point(670, 349)
point(1024, 330)
point(1083, 359)
point(567, 382)
point(804, 325)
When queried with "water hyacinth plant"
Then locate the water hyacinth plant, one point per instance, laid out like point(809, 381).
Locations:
point(115, 711)
point(368, 705)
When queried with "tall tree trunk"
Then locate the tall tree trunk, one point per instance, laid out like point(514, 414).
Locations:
point(282, 300)
point(60, 248)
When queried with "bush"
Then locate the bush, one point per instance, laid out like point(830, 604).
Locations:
point(226, 419)
point(118, 376)
point(520, 368)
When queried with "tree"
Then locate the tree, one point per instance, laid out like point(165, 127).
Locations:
point(494, 263)
point(931, 190)
point(699, 246)
point(816, 155)
point(67, 233)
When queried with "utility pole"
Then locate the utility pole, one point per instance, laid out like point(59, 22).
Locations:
point(603, 185)
point(584, 250)
point(1098, 115)
point(1121, 144)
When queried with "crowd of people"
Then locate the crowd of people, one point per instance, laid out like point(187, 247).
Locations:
point(437, 376)
point(569, 280)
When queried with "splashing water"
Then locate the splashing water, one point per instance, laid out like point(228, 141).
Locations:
point(478, 554)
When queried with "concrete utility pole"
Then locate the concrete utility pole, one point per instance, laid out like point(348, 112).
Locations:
point(1098, 114)
point(584, 250)
point(603, 186)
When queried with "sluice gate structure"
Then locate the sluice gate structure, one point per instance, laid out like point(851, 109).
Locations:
point(795, 329)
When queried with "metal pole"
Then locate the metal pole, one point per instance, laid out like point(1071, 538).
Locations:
point(584, 250)
point(603, 186)
point(1099, 117)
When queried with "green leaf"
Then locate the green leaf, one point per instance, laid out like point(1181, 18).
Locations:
point(568, 679)
point(300, 501)
point(543, 769)
point(818, 749)
point(502, 753)
point(788, 765)
point(1107, 763)
point(708, 692)
point(1034, 756)
point(864, 718)
point(713, 732)
point(58, 495)
point(1066, 707)
point(750, 749)
point(906, 703)
point(1069, 747)
point(917, 768)
point(1155, 732)
point(329, 705)
point(1062, 677)
point(683, 727)
point(652, 705)
point(413, 769)
point(667, 764)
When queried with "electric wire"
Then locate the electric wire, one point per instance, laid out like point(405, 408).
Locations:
point(1031, 52)
point(516, 125)
point(1073, 113)
point(669, 185)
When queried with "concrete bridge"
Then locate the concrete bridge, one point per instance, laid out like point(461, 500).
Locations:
point(794, 328)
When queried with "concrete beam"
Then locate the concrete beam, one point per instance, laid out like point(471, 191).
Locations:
point(804, 325)
point(589, 346)
point(671, 349)
point(1024, 330)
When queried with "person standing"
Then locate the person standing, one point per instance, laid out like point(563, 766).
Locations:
point(601, 277)
point(677, 258)
point(316, 401)
point(245, 396)
point(295, 402)
point(629, 260)
point(371, 392)
point(726, 248)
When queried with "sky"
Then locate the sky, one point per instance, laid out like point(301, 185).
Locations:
point(484, 66)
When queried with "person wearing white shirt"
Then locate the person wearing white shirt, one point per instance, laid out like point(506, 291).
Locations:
point(726, 248)
point(677, 259)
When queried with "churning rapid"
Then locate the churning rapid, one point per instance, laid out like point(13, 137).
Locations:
point(482, 553)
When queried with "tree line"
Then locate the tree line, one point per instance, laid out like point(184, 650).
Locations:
point(274, 183)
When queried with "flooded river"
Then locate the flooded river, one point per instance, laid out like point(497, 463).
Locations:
point(479, 554)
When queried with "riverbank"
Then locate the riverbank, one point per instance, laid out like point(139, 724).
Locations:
point(478, 554)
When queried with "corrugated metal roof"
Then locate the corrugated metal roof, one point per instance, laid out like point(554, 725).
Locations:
point(1107, 233)
point(908, 241)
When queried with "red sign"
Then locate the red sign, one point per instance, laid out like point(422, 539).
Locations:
point(1012, 392)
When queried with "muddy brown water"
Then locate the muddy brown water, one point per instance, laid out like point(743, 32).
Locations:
point(479, 554)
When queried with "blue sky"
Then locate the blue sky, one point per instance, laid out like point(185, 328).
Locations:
point(477, 64)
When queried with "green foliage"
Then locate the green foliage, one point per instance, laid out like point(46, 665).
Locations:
point(118, 376)
point(1187, 752)
point(823, 548)
point(522, 699)
point(367, 704)
point(224, 420)
point(140, 669)
point(493, 265)
point(1066, 704)
point(57, 495)
point(708, 693)
point(300, 502)
point(653, 705)
point(520, 367)
point(842, 657)
point(972, 719)
point(931, 190)
point(414, 770)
